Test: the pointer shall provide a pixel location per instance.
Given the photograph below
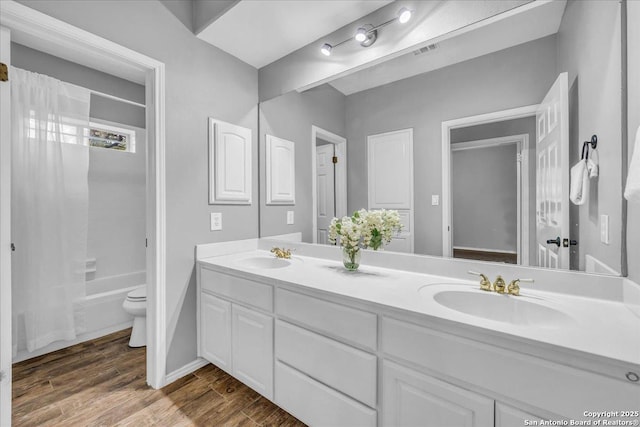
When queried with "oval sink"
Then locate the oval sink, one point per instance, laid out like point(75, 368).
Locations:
point(501, 308)
point(263, 262)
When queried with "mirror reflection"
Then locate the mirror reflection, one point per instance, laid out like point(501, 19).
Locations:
point(472, 139)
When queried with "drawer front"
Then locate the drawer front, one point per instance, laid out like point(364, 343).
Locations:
point(559, 389)
point(352, 325)
point(242, 290)
point(337, 365)
point(316, 404)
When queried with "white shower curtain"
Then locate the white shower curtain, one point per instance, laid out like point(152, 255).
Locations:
point(49, 208)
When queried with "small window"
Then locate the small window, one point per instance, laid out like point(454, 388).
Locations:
point(111, 137)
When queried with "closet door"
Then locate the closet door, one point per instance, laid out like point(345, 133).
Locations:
point(390, 180)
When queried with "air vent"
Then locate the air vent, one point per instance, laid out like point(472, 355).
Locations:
point(425, 49)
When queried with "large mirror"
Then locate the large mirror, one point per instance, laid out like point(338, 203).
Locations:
point(473, 139)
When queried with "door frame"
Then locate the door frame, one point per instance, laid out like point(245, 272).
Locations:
point(340, 182)
point(447, 126)
point(72, 43)
point(522, 185)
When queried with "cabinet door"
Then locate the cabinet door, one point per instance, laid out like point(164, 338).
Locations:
point(507, 416)
point(215, 330)
point(410, 398)
point(253, 349)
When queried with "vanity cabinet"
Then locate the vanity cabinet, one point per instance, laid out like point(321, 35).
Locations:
point(234, 336)
point(411, 398)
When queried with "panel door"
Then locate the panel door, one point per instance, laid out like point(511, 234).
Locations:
point(5, 235)
point(390, 180)
point(280, 171)
point(215, 330)
point(410, 398)
point(325, 187)
point(253, 349)
point(229, 164)
point(552, 176)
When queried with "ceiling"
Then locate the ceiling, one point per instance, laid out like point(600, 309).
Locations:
point(526, 23)
point(260, 32)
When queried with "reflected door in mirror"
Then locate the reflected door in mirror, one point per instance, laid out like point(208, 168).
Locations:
point(325, 187)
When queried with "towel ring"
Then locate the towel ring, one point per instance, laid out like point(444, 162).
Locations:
point(585, 145)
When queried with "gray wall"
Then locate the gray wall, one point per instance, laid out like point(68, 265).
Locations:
point(633, 51)
point(485, 198)
point(593, 61)
point(510, 78)
point(290, 117)
point(201, 81)
point(526, 125)
point(101, 107)
point(117, 225)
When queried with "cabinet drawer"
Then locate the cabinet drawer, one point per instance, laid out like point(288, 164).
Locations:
point(557, 388)
point(316, 404)
point(337, 365)
point(352, 325)
point(242, 290)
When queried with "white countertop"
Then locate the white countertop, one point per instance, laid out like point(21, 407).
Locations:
point(601, 328)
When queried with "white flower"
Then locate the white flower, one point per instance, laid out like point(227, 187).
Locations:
point(365, 229)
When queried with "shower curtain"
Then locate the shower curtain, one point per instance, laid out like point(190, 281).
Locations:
point(49, 208)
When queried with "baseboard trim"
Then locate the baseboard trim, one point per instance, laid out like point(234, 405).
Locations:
point(186, 370)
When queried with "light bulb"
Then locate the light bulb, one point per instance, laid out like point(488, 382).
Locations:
point(361, 34)
point(326, 49)
point(404, 15)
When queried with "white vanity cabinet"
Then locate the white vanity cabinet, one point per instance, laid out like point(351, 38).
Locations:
point(236, 329)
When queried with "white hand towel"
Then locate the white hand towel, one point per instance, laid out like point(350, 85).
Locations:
point(579, 183)
point(632, 190)
point(593, 163)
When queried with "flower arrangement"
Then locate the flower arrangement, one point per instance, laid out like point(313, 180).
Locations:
point(364, 229)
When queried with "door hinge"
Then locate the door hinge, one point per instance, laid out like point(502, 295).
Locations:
point(146, 243)
point(335, 159)
point(4, 72)
point(13, 247)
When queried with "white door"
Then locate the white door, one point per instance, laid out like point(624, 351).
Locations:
point(325, 188)
point(410, 398)
point(390, 180)
point(215, 327)
point(5, 235)
point(552, 176)
point(252, 340)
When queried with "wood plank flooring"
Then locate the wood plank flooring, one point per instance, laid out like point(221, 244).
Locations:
point(102, 383)
point(485, 256)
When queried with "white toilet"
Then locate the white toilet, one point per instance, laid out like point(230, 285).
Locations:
point(136, 305)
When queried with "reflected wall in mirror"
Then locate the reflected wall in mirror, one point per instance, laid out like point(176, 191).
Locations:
point(499, 117)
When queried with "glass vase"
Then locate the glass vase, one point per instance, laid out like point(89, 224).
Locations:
point(351, 258)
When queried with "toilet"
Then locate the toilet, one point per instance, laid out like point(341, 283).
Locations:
point(136, 305)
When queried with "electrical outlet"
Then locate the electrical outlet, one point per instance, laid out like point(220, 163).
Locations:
point(604, 229)
point(435, 199)
point(289, 217)
point(216, 221)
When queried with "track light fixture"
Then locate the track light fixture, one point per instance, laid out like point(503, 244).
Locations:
point(367, 34)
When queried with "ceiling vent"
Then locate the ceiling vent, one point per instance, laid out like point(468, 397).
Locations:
point(425, 49)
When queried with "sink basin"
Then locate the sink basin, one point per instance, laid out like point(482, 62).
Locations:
point(501, 308)
point(263, 262)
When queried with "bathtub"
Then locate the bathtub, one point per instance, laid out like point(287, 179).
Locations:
point(103, 312)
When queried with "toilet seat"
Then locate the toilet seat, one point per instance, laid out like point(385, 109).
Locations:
point(138, 294)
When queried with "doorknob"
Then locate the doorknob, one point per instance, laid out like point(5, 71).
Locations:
point(555, 241)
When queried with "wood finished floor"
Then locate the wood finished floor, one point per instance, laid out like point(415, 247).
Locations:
point(102, 383)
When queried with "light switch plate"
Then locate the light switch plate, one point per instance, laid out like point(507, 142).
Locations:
point(216, 221)
point(435, 199)
point(289, 217)
point(604, 229)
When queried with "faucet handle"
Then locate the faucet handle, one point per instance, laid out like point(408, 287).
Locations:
point(499, 285)
point(514, 288)
point(485, 283)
